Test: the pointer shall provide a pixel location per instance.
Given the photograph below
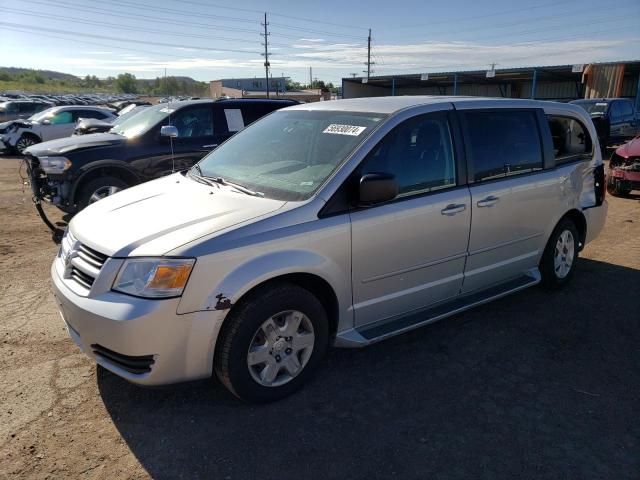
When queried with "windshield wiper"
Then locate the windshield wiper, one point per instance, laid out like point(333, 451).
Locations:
point(222, 181)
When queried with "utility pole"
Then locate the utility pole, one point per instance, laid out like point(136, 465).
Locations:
point(266, 52)
point(310, 77)
point(368, 71)
point(353, 74)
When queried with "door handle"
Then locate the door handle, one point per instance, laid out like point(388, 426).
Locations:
point(488, 202)
point(213, 145)
point(453, 208)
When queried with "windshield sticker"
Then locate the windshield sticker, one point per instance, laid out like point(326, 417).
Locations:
point(337, 129)
point(167, 110)
point(601, 104)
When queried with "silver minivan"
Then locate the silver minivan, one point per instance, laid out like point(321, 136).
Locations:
point(342, 222)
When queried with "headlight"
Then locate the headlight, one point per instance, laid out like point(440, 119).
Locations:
point(154, 277)
point(54, 164)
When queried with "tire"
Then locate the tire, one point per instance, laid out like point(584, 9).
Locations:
point(613, 187)
point(25, 141)
point(559, 258)
point(244, 329)
point(90, 192)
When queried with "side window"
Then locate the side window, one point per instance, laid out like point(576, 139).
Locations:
point(88, 114)
point(615, 112)
point(27, 107)
point(61, 117)
point(11, 107)
point(627, 110)
point(571, 139)
point(194, 122)
point(503, 143)
point(234, 118)
point(418, 152)
point(253, 112)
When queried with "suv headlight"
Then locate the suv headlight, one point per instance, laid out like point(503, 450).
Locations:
point(54, 164)
point(154, 277)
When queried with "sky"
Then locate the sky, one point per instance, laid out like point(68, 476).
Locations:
point(208, 41)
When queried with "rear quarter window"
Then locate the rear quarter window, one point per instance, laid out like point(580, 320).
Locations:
point(571, 139)
point(503, 143)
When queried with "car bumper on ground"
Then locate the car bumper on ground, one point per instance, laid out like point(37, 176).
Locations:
point(144, 341)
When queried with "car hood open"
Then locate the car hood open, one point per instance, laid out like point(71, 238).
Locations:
point(161, 215)
point(71, 144)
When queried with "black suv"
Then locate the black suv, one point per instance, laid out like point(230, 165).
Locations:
point(75, 171)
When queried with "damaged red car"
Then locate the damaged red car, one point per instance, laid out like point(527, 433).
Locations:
point(624, 169)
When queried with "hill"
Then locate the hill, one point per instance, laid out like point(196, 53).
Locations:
point(49, 81)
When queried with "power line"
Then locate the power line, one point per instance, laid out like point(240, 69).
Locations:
point(104, 37)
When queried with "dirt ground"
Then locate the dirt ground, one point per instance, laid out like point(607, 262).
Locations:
point(536, 385)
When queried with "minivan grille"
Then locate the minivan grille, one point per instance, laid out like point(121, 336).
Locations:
point(82, 262)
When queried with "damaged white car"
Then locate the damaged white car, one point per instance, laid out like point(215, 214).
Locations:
point(56, 122)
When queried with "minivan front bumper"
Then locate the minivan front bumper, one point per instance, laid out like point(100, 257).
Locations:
point(144, 341)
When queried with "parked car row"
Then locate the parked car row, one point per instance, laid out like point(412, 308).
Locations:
point(342, 222)
point(68, 98)
point(153, 141)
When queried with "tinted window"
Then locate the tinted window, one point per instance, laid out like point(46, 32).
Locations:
point(627, 109)
point(252, 112)
point(27, 107)
point(88, 114)
point(193, 122)
point(503, 143)
point(418, 152)
point(571, 139)
point(11, 107)
point(615, 112)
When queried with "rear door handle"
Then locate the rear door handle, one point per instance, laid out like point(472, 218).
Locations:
point(453, 208)
point(213, 145)
point(488, 202)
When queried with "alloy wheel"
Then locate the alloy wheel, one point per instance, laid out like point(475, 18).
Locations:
point(103, 192)
point(564, 254)
point(280, 348)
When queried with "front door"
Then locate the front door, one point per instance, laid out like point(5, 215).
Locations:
point(410, 253)
point(59, 126)
point(512, 197)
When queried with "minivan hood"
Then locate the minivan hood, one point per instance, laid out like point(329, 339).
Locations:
point(161, 215)
point(71, 144)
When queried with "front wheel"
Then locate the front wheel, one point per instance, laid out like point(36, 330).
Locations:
point(560, 255)
point(24, 142)
point(613, 187)
point(98, 189)
point(271, 342)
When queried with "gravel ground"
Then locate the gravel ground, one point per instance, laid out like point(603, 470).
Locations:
point(536, 385)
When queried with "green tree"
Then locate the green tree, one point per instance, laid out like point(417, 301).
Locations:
point(126, 83)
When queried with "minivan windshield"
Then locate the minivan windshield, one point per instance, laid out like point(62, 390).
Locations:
point(593, 106)
point(140, 123)
point(290, 153)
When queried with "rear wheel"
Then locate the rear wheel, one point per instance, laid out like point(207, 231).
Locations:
point(560, 255)
point(271, 343)
point(98, 189)
point(25, 141)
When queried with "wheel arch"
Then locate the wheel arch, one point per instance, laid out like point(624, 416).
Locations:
point(101, 168)
point(579, 220)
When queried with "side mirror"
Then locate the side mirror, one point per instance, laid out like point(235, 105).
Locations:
point(377, 188)
point(169, 131)
point(46, 121)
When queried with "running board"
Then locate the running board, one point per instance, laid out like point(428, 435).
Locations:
point(365, 335)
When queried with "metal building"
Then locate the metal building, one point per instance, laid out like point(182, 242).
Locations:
point(557, 82)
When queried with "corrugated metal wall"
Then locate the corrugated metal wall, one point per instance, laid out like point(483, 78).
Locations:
point(603, 80)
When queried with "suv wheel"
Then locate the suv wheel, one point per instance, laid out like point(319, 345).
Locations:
point(271, 342)
point(98, 189)
point(560, 256)
point(24, 142)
